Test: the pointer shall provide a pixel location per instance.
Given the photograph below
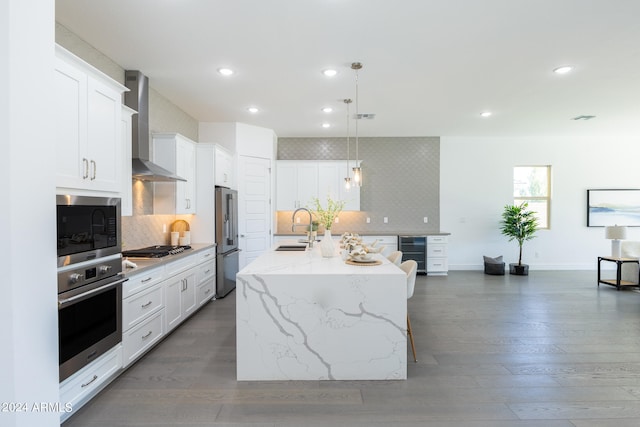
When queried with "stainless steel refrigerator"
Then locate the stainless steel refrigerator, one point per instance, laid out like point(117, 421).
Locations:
point(227, 252)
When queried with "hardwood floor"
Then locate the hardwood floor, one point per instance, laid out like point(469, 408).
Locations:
point(549, 349)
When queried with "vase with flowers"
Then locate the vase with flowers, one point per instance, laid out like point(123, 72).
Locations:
point(326, 217)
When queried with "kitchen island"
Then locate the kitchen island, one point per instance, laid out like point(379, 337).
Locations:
point(304, 317)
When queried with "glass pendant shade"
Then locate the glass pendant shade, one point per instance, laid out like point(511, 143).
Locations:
point(347, 184)
point(357, 176)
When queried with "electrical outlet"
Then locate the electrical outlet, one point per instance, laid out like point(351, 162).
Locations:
point(368, 220)
point(164, 228)
point(298, 220)
point(425, 219)
point(337, 220)
point(385, 220)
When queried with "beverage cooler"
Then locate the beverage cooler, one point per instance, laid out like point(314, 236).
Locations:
point(415, 248)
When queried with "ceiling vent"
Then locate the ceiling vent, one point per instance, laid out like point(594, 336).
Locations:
point(367, 116)
point(583, 118)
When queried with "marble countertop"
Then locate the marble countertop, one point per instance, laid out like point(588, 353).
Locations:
point(312, 262)
point(383, 233)
point(143, 264)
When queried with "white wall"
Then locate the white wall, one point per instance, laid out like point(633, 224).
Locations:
point(476, 183)
point(28, 309)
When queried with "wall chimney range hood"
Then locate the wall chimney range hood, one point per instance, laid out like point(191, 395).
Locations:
point(138, 99)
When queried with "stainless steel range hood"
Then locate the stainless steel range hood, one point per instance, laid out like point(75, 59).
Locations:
point(138, 99)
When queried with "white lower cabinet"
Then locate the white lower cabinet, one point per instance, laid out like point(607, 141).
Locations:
point(139, 339)
point(437, 260)
point(76, 390)
point(180, 296)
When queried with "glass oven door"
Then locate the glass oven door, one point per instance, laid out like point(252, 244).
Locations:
point(89, 323)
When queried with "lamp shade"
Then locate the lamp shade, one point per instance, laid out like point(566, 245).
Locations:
point(615, 232)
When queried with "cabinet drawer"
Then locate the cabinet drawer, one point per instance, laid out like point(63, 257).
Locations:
point(437, 265)
point(141, 305)
point(437, 239)
point(139, 339)
point(206, 271)
point(77, 387)
point(205, 291)
point(142, 281)
point(183, 264)
point(436, 251)
point(206, 255)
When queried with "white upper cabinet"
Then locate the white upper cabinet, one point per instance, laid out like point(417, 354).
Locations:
point(177, 154)
point(224, 176)
point(127, 184)
point(88, 126)
point(298, 182)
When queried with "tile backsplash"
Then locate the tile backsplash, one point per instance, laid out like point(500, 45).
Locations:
point(401, 181)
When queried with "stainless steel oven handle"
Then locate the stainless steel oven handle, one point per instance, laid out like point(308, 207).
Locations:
point(84, 295)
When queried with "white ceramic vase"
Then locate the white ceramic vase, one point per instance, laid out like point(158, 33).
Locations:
point(327, 247)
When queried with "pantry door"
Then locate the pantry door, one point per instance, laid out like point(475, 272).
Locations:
point(254, 207)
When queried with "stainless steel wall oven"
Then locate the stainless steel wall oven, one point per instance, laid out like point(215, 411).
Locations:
point(89, 280)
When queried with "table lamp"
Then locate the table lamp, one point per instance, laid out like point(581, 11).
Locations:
point(615, 233)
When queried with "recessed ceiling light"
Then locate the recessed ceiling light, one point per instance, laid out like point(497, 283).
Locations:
point(329, 72)
point(326, 125)
point(225, 71)
point(253, 110)
point(485, 114)
point(327, 109)
point(563, 70)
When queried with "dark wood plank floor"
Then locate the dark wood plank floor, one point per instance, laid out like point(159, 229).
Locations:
point(550, 349)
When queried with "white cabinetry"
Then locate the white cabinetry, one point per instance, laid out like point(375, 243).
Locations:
point(331, 175)
point(224, 168)
point(206, 276)
point(76, 390)
point(88, 126)
point(437, 261)
point(142, 313)
point(127, 185)
point(177, 154)
point(180, 291)
point(296, 184)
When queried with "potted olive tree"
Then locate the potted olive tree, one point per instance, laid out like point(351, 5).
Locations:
point(520, 224)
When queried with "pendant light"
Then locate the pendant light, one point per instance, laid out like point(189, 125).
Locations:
point(357, 172)
point(347, 180)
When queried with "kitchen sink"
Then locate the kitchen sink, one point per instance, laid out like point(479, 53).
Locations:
point(291, 248)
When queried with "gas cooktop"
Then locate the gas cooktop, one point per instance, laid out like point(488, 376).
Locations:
point(155, 251)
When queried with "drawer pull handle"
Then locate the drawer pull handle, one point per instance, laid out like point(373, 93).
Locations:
point(207, 254)
point(95, 377)
point(147, 335)
point(207, 272)
point(146, 280)
point(146, 305)
point(207, 291)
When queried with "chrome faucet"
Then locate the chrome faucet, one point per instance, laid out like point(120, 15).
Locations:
point(294, 225)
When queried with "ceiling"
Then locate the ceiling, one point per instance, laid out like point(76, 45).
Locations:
point(430, 67)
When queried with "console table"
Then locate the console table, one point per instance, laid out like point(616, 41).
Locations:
point(618, 282)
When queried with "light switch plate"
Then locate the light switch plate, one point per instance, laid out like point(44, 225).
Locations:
point(385, 220)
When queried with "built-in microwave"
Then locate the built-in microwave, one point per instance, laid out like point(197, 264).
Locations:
point(87, 228)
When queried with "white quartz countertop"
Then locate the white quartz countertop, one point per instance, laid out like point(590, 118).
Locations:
point(311, 261)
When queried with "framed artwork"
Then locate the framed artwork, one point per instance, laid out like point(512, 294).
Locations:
point(613, 207)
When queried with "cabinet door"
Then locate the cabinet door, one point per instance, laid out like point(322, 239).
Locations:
point(186, 168)
point(307, 180)
point(224, 168)
point(286, 186)
point(104, 132)
point(188, 296)
point(329, 180)
point(71, 125)
point(173, 310)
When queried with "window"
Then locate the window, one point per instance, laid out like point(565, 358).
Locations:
point(532, 184)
